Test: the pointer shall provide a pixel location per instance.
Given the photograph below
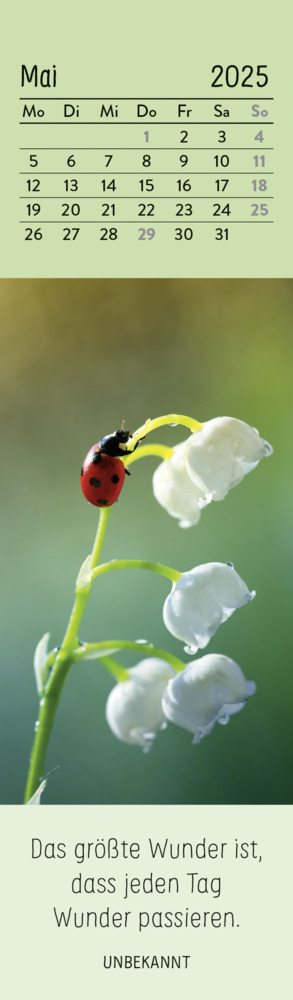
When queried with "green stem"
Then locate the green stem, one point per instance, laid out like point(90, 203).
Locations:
point(159, 450)
point(62, 664)
point(73, 627)
point(136, 647)
point(48, 706)
point(115, 668)
point(174, 418)
point(168, 418)
point(168, 571)
point(99, 539)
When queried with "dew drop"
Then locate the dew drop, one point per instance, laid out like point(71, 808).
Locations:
point(144, 642)
point(197, 736)
point(223, 720)
point(250, 688)
point(230, 564)
point(191, 649)
point(36, 726)
point(203, 502)
point(149, 737)
point(173, 425)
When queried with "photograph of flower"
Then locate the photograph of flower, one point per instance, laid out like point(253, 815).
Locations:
point(109, 689)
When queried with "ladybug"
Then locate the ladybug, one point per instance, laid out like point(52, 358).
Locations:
point(102, 473)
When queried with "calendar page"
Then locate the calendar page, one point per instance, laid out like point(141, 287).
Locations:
point(146, 307)
point(158, 146)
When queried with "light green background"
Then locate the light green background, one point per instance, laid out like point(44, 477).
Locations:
point(166, 52)
point(78, 358)
point(254, 959)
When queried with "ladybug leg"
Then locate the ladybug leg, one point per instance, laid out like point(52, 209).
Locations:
point(127, 473)
point(138, 442)
point(129, 451)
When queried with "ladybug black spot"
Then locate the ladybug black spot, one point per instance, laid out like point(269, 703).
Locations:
point(103, 503)
point(81, 471)
point(114, 479)
point(95, 482)
point(97, 457)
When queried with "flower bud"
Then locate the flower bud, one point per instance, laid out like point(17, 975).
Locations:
point(201, 600)
point(209, 690)
point(40, 658)
point(221, 453)
point(134, 707)
point(175, 490)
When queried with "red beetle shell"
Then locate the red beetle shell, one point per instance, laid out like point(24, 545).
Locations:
point(102, 477)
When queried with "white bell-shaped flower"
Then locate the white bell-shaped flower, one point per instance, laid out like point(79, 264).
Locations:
point(209, 690)
point(175, 490)
point(221, 453)
point(134, 707)
point(201, 600)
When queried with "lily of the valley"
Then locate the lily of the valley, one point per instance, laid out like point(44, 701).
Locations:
point(201, 600)
point(134, 707)
point(206, 466)
point(209, 690)
point(175, 490)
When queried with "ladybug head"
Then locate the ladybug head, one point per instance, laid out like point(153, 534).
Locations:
point(122, 436)
point(114, 444)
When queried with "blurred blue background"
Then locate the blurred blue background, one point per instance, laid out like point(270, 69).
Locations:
point(78, 357)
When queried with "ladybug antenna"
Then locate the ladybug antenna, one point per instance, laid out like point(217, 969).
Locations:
point(123, 425)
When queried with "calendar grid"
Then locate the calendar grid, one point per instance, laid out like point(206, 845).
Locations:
point(191, 175)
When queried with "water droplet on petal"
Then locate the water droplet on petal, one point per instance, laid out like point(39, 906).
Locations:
point(230, 564)
point(252, 595)
point(202, 502)
point(173, 425)
point(223, 720)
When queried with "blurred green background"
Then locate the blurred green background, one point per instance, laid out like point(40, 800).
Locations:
point(78, 357)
